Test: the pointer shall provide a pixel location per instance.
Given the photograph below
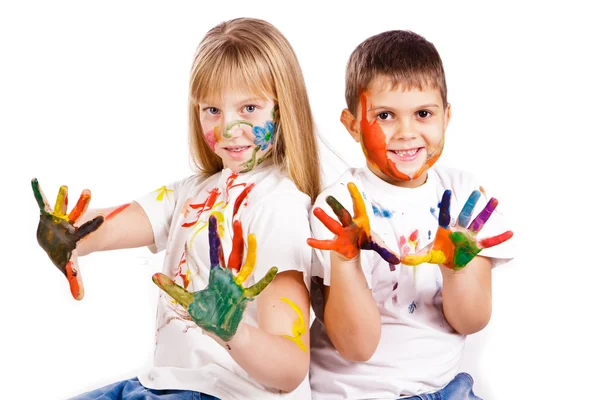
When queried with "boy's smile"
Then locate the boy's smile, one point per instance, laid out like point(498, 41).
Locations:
point(401, 131)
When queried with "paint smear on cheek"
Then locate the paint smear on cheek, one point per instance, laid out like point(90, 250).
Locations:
point(374, 145)
point(210, 139)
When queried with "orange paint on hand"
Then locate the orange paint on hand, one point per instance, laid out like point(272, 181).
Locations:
point(76, 290)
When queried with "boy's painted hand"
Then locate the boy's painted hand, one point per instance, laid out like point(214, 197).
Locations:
point(219, 308)
point(455, 246)
point(352, 234)
point(58, 235)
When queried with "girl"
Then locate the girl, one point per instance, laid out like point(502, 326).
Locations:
point(253, 142)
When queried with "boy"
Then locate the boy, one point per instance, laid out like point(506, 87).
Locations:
point(382, 330)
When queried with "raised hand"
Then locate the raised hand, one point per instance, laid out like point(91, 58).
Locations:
point(220, 307)
point(58, 235)
point(455, 246)
point(353, 233)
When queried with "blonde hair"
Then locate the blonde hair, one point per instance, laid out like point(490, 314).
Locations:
point(403, 56)
point(253, 54)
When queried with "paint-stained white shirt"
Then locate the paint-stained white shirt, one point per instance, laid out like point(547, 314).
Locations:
point(276, 212)
point(418, 351)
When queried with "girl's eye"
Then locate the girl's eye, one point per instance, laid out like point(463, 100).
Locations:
point(250, 108)
point(423, 113)
point(384, 115)
point(212, 110)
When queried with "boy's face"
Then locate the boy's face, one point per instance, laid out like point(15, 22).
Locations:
point(239, 128)
point(401, 131)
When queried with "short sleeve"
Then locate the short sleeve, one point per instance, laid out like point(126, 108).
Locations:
point(321, 265)
point(159, 205)
point(280, 225)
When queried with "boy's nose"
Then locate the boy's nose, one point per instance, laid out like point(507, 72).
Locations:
point(405, 130)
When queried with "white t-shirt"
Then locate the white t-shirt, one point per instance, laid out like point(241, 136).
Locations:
point(276, 212)
point(418, 351)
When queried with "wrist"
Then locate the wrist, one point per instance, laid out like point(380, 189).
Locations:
point(239, 340)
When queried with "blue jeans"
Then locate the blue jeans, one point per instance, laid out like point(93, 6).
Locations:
point(132, 389)
point(459, 388)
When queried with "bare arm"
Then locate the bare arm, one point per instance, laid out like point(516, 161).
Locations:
point(122, 228)
point(467, 295)
point(351, 316)
point(264, 353)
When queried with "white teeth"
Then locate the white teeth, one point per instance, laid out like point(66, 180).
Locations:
point(404, 153)
point(237, 149)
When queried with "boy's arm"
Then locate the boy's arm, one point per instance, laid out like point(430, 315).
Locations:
point(467, 295)
point(351, 316)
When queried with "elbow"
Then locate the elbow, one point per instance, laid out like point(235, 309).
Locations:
point(358, 346)
point(472, 325)
point(294, 378)
point(358, 354)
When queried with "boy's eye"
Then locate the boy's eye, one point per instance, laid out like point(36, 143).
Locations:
point(423, 113)
point(250, 108)
point(384, 115)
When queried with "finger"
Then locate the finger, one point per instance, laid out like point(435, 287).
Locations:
point(483, 216)
point(178, 293)
point(495, 240)
point(62, 200)
point(321, 244)
point(74, 277)
point(39, 196)
point(237, 248)
point(386, 254)
point(360, 211)
point(381, 248)
point(330, 223)
point(467, 210)
point(88, 227)
point(261, 285)
point(413, 259)
point(250, 261)
point(81, 206)
point(444, 218)
point(214, 242)
point(339, 210)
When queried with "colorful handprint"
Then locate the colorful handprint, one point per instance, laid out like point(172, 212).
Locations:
point(219, 308)
point(353, 233)
point(58, 235)
point(455, 246)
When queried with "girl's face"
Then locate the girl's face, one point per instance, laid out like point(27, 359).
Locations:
point(239, 128)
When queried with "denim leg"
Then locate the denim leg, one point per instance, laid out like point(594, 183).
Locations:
point(459, 388)
point(132, 389)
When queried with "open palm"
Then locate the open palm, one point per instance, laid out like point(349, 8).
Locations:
point(219, 308)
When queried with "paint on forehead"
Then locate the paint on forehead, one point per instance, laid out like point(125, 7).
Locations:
point(374, 146)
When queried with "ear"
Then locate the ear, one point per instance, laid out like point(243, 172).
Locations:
point(447, 116)
point(351, 124)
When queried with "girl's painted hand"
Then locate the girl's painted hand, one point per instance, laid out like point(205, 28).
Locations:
point(58, 235)
point(353, 233)
point(455, 246)
point(219, 308)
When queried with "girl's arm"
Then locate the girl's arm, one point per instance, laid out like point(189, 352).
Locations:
point(276, 353)
point(125, 226)
point(467, 295)
point(351, 316)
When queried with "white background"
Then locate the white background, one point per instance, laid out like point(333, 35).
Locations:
point(93, 95)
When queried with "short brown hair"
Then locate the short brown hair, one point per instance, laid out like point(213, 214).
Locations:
point(403, 56)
